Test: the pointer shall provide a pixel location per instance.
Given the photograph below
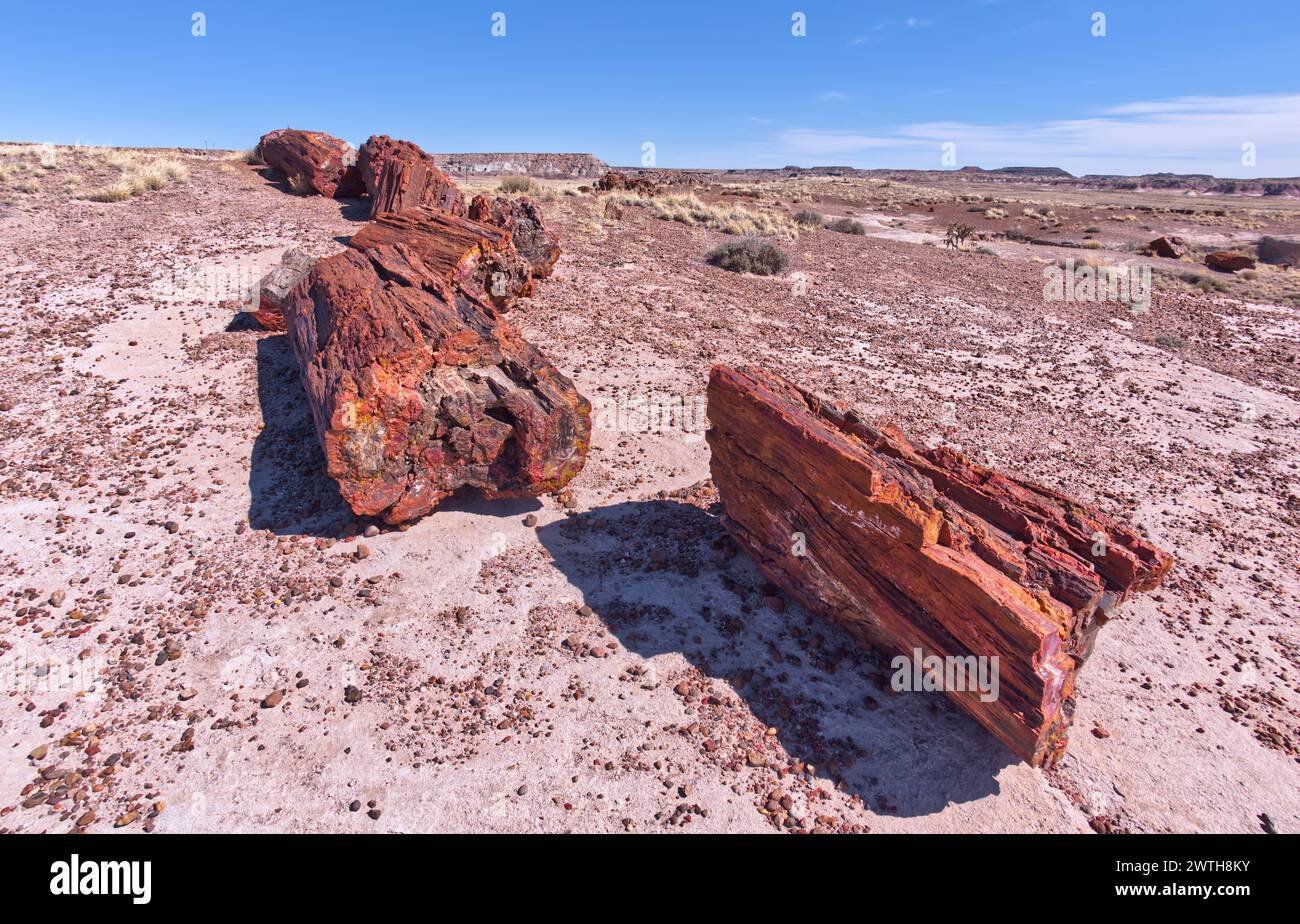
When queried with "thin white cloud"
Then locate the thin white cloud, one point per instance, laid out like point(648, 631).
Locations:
point(1195, 134)
point(832, 96)
point(914, 23)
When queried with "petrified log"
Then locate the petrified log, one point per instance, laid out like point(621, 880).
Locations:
point(418, 389)
point(276, 286)
point(1225, 261)
point(312, 160)
point(473, 255)
point(910, 548)
point(614, 181)
point(523, 219)
point(399, 175)
point(1169, 246)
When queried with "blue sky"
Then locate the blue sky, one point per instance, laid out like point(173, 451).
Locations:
point(1176, 86)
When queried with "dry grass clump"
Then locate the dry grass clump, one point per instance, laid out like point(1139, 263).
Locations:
point(808, 219)
point(517, 184)
point(846, 226)
point(141, 173)
point(749, 255)
point(299, 184)
point(730, 219)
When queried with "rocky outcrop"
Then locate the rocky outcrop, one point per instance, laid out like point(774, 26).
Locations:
point(1171, 247)
point(312, 162)
point(475, 256)
point(1227, 262)
point(1278, 251)
point(276, 286)
point(399, 175)
point(614, 181)
point(523, 220)
point(418, 389)
point(909, 548)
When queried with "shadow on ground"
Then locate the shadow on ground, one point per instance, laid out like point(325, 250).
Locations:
point(291, 492)
point(659, 575)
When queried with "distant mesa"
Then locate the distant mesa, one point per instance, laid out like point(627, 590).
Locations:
point(545, 166)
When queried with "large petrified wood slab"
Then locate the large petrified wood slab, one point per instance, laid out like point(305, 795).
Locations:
point(473, 255)
point(312, 160)
point(911, 548)
point(523, 219)
point(418, 389)
point(399, 175)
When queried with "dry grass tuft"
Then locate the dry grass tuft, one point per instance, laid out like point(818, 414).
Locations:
point(729, 219)
point(141, 173)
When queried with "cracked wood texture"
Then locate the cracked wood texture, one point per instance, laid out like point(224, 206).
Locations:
point(523, 219)
point(322, 162)
point(398, 175)
point(418, 389)
point(478, 257)
point(908, 548)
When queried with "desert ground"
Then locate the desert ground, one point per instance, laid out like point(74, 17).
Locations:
point(198, 635)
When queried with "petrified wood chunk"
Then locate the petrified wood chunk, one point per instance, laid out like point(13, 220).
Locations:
point(1169, 246)
point(276, 286)
point(313, 160)
point(1226, 261)
point(399, 175)
point(473, 255)
point(523, 219)
point(1278, 250)
point(911, 548)
point(418, 389)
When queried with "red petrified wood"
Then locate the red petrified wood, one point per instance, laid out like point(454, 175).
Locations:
point(477, 257)
point(399, 175)
point(418, 389)
point(910, 548)
point(523, 219)
point(312, 161)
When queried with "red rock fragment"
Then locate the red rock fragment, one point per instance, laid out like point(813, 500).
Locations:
point(1227, 262)
point(523, 219)
point(418, 389)
point(477, 257)
point(399, 175)
point(312, 161)
point(909, 548)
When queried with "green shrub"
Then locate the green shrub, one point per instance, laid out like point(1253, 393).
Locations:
point(748, 255)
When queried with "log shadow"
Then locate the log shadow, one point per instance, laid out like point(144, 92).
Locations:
point(291, 493)
point(660, 576)
point(352, 209)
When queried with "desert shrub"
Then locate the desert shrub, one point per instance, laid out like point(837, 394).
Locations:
point(749, 255)
point(847, 226)
point(516, 184)
point(808, 219)
point(957, 236)
point(1171, 342)
point(299, 184)
point(1092, 245)
point(995, 213)
point(1092, 229)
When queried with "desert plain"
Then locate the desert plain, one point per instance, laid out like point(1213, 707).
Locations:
point(197, 634)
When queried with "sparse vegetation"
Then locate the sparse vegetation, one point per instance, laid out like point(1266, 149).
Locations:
point(958, 236)
point(1171, 342)
point(141, 173)
point(847, 226)
point(749, 255)
point(730, 219)
point(808, 219)
point(516, 184)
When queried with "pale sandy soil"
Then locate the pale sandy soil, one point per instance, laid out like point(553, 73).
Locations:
point(612, 668)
